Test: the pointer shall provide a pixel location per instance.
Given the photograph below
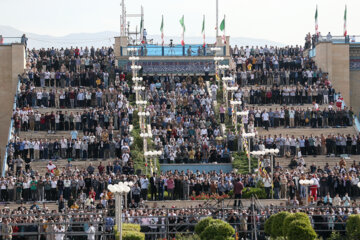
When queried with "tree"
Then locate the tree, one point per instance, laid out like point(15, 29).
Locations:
point(300, 230)
point(353, 226)
point(277, 224)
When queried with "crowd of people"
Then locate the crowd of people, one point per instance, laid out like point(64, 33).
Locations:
point(38, 221)
point(289, 145)
point(94, 113)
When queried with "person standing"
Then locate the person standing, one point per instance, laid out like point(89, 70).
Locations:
point(238, 187)
point(153, 187)
point(6, 230)
point(144, 183)
point(267, 184)
point(91, 232)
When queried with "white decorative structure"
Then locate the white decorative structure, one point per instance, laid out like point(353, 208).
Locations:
point(119, 190)
point(306, 183)
point(272, 152)
point(152, 155)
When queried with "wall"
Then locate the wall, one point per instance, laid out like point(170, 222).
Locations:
point(334, 59)
point(225, 167)
point(12, 63)
point(354, 90)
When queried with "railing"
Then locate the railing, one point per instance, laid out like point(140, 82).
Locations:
point(11, 129)
point(175, 50)
point(164, 225)
point(340, 39)
point(9, 40)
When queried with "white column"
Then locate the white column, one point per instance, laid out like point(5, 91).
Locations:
point(120, 216)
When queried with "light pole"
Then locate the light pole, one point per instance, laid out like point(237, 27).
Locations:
point(241, 114)
point(152, 155)
point(217, 60)
point(225, 86)
point(142, 115)
point(248, 136)
point(272, 152)
point(145, 136)
point(222, 71)
point(135, 68)
point(120, 189)
point(306, 183)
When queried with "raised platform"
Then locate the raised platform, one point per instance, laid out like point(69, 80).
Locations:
point(212, 203)
point(225, 167)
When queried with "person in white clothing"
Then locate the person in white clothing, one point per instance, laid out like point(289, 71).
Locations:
point(91, 232)
point(59, 232)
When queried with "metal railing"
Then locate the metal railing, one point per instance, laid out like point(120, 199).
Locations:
point(164, 223)
point(11, 129)
point(340, 39)
point(9, 40)
point(175, 50)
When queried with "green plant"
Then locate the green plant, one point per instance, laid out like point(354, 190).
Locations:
point(259, 192)
point(293, 217)
point(353, 226)
point(300, 230)
point(241, 162)
point(202, 224)
point(335, 236)
point(268, 225)
point(277, 224)
point(219, 96)
point(133, 235)
point(131, 227)
point(218, 230)
point(187, 237)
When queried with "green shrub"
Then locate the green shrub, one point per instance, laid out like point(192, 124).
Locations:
point(335, 236)
point(259, 192)
point(241, 162)
point(219, 96)
point(277, 224)
point(353, 226)
point(187, 237)
point(133, 235)
point(300, 230)
point(268, 225)
point(202, 224)
point(292, 217)
point(131, 227)
point(218, 230)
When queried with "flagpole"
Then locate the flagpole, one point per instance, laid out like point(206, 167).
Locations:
point(224, 30)
point(217, 18)
point(204, 30)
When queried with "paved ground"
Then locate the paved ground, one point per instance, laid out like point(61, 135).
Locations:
point(173, 203)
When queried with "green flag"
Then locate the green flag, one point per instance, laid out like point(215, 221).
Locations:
point(345, 29)
point(182, 23)
point(222, 25)
point(203, 31)
point(162, 30)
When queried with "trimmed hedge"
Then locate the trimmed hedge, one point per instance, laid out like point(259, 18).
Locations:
point(353, 226)
point(202, 224)
point(130, 227)
point(218, 230)
point(132, 235)
point(268, 225)
point(248, 192)
point(300, 230)
point(277, 224)
point(293, 217)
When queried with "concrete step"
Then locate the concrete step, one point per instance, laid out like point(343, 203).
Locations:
point(41, 165)
point(320, 161)
point(307, 131)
